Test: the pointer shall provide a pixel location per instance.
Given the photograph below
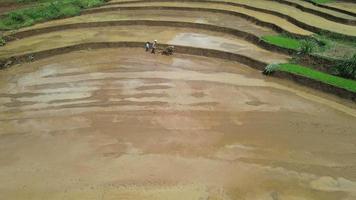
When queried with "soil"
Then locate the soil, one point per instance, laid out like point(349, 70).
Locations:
point(325, 10)
point(104, 124)
point(351, 7)
point(259, 15)
point(166, 35)
point(7, 6)
point(218, 19)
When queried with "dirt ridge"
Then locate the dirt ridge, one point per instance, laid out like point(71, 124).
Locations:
point(283, 16)
point(319, 13)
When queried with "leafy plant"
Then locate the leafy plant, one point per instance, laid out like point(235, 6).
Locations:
point(2, 41)
point(346, 68)
point(307, 46)
point(269, 69)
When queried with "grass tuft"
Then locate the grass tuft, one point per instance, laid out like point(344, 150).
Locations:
point(270, 69)
point(346, 68)
point(2, 41)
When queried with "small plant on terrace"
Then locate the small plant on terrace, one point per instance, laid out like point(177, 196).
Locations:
point(307, 47)
point(2, 40)
point(346, 68)
point(269, 69)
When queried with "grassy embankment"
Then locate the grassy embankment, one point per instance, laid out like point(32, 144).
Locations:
point(344, 72)
point(44, 11)
point(344, 51)
point(316, 75)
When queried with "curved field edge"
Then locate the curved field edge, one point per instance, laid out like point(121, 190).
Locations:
point(325, 15)
point(307, 80)
point(290, 19)
point(278, 44)
point(323, 4)
point(249, 37)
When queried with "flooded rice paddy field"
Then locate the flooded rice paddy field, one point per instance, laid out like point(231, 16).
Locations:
point(217, 19)
point(166, 35)
point(325, 10)
point(297, 14)
point(104, 124)
point(351, 7)
point(258, 15)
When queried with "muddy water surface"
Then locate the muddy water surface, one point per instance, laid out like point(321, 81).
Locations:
point(218, 19)
point(106, 125)
point(166, 35)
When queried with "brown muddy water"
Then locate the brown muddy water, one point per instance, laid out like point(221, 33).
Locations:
point(167, 35)
point(217, 19)
point(125, 124)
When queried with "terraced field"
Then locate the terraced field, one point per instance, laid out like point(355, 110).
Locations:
point(86, 113)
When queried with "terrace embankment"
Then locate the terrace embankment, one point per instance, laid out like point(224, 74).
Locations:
point(293, 15)
point(329, 14)
point(122, 123)
point(248, 13)
point(169, 35)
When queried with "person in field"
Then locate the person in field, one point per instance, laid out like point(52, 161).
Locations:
point(147, 46)
point(154, 46)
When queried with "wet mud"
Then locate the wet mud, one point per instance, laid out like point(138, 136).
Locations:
point(324, 10)
point(258, 15)
point(350, 7)
point(167, 35)
point(104, 124)
point(218, 19)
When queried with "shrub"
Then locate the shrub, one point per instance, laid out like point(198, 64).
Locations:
point(307, 46)
point(2, 41)
point(346, 68)
point(269, 69)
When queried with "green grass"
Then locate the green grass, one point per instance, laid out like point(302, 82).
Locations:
point(53, 9)
point(283, 41)
point(320, 76)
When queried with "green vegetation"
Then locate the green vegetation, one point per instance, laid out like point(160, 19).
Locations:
point(2, 41)
point(282, 41)
point(347, 68)
point(307, 47)
point(317, 75)
point(321, 45)
point(51, 9)
point(270, 69)
point(303, 46)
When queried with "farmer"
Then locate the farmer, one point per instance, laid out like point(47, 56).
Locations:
point(147, 46)
point(154, 46)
